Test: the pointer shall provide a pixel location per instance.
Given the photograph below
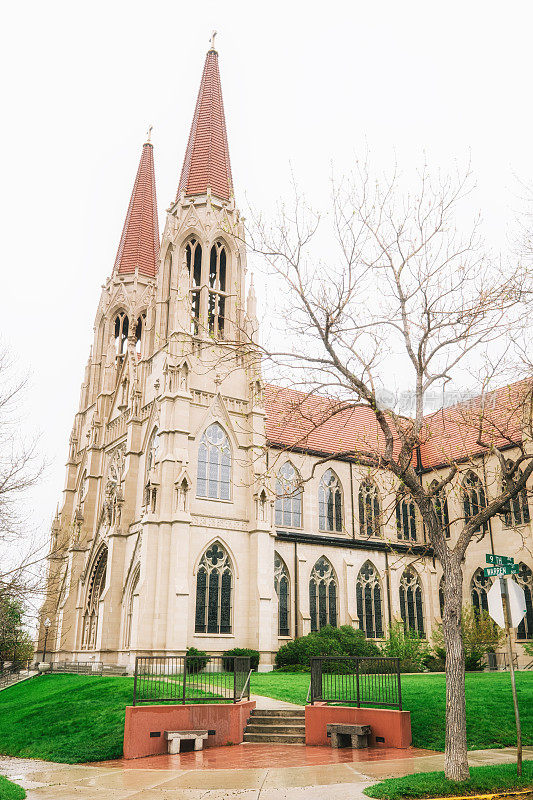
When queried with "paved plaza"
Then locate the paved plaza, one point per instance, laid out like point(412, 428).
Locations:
point(246, 772)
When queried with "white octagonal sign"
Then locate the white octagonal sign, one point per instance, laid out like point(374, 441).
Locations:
point(517, 603)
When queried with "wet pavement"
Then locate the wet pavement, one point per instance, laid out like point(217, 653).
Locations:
point(246, 772)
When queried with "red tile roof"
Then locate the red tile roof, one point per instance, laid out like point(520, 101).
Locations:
point(295, 420)
point(139, 243)
point(207, 163)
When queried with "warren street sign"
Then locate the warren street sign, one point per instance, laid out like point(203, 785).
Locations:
point(495, 572)
point(500, 561)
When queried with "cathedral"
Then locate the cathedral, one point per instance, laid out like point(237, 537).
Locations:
point(200, 509)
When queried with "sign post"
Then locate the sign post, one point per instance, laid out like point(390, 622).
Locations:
point(505, 615)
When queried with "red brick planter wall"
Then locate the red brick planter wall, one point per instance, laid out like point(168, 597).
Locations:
point(228, 720)
point(392, 726)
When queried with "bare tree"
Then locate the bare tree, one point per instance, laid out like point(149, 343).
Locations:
point(22, 555)
point(402, 293)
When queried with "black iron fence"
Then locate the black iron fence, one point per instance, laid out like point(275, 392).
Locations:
point(191, 679)
point(356, 681)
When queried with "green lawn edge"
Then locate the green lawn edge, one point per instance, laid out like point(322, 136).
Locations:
point(483, 780)
point(10, 790)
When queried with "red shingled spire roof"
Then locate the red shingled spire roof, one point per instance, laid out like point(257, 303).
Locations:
point(206, 164)
point(139, 243)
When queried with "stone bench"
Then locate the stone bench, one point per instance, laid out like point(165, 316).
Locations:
point(344, 735)
point(175, 738)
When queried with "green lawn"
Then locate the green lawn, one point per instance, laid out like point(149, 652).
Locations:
point(490, 716)
point(10, 791)
point(497, 777)
point(73, 718)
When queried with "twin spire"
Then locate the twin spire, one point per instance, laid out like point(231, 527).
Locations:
point(206, 166)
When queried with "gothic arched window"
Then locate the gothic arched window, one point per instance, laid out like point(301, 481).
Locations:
point(479, 585)
point(217, 289)
point(130, 611)
point(288, 497)
point(405, 518)
point(516, 512)
point(440, 504)
point(121, 333)
point(525, 580)
point(323, 595)
point(411, 606)
point(214, 588)
point(94, 592)
point(330, 503)
point(214, 464)
point(473, 496)
point(193, 256)
point(369, 601)
point(281, 584)
point(369, 512)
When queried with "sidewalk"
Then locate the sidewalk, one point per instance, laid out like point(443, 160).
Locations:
point(119, 780)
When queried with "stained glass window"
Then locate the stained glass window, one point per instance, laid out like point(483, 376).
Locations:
point(479, 586)
point(369, 602)
point(94, 592)
point(323, 595)
point(440, 504)
point(214, 592)
point(214, 464)
point(516, 512)
point(281, 584)
point(369, 512)
point(411, 607)
point(473, 496)
point(525, 580)
point(330, 503)
point(288, 497)
point(406, 518)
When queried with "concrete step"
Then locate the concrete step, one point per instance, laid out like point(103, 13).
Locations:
point(268, 729)
point(277, 712)
point(274, 738)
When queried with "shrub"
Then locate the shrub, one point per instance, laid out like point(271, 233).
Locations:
point(328, 641)
point(197, 660)
point(434, 663)
point(227, 663)
point(480, 634)
point(412, 650)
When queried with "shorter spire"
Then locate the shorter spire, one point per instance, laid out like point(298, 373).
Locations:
point(139, 243)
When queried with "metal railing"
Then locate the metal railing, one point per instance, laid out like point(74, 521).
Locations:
point(77, 667)
point(356, 681)
point(191, 679)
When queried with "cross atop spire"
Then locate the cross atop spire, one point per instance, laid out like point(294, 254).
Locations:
point(206, 164)
point(139, 243)
point(212, 40)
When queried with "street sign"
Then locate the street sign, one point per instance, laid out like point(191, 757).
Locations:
point(507, 569)
point(500, 561)
point(517, 603)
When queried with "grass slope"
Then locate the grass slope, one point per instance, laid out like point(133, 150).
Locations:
point(10, 791)
point(67, 718)
point(489, 705)
point(483, 780)
point(76, 718)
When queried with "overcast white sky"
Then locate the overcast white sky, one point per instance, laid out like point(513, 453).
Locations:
point(304, 83)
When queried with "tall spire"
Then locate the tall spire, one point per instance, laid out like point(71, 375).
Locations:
point(139, 243)
point(206, 164)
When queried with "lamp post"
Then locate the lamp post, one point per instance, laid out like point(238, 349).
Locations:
point(46, 624)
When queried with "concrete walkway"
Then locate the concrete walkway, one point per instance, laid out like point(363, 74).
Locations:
point(262, 702)
point(115, 781)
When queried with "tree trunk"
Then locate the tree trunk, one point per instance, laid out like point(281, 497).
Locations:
point(455, 757)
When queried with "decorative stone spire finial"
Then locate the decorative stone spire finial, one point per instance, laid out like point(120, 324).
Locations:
point(212, 41)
